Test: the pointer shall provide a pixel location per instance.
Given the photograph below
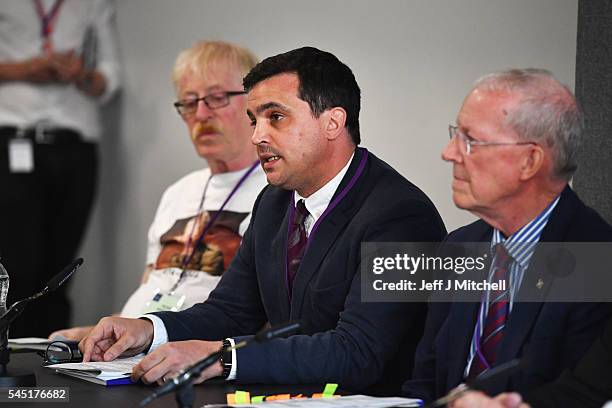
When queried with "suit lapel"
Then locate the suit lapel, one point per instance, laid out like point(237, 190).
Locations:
point(279, 267)
point(326, 234)
point(462, 321)
point(461, 330)
point(536, 281)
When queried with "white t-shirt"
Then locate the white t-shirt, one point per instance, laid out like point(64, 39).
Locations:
point(176, 227)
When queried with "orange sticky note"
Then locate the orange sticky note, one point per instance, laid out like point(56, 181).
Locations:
point(318, 395)
point(231, 399)
point(278, 397)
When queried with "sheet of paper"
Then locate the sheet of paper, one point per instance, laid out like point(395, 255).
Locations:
point(122, 365)
point(29, 340)
point(352, 401)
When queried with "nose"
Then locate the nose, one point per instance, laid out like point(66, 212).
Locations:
point(451, 152)
point(259, 135)
point(203, 112)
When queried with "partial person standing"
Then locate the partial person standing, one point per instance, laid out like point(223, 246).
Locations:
point(58, 63)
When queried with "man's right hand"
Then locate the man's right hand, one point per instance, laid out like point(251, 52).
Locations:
point(116, 336)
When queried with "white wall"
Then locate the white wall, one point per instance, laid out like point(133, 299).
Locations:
point(414, 60)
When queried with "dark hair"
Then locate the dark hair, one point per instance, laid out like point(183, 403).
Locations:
point(325, 82)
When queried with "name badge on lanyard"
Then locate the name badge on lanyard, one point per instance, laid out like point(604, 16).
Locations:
point(164, 302)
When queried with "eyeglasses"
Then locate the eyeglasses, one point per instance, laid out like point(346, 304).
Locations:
point(467, 142)
point(214, 100)
point(61, 352)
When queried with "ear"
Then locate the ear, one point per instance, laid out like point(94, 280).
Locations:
point(334, 121)
point(532, 162)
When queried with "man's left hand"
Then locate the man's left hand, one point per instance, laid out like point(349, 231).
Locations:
point(171, 358)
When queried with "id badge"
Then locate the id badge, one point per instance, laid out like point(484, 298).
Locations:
point(21, 155)
point(164, 302)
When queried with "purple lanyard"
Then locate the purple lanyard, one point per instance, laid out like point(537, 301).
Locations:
point(211, 222)
point(47, 22)
point(333, 204)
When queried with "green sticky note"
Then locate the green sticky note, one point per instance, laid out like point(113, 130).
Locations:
point(257, 399)
point(329, 390)
point(242, 397)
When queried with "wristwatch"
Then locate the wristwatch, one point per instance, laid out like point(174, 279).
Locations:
point(226, 359)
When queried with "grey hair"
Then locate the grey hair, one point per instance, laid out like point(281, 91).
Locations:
point(547, 113)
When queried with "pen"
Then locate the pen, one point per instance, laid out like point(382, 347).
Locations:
point(479, 383)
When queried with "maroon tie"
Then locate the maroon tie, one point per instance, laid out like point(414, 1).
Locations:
point(296, 243)
point(497, 315)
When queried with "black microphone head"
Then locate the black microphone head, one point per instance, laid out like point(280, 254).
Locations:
point(59, 279)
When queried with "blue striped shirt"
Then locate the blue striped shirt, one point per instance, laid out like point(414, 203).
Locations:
point(520, 246)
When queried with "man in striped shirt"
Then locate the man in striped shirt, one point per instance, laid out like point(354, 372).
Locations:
point(513, 152)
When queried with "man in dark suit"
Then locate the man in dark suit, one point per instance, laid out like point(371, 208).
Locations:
point(300, 257)
point(513, 152)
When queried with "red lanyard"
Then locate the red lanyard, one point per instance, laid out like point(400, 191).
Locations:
point(47, 23)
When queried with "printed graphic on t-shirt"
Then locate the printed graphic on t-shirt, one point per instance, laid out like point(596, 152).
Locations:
point(214, 254)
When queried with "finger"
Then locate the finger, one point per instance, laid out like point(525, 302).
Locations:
point(122, 344)
point(146, 364)
point(100, 337)
point(510, 400)
point(151, 368)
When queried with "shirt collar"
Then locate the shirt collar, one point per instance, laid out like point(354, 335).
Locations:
point(522, 243)
point(318, 201)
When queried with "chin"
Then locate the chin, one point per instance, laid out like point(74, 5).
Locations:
point(461, 201)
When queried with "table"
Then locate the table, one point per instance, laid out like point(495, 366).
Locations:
point(84, 394)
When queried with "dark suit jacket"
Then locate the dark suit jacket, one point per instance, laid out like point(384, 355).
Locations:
point(588, 385)
point(550, 336)
point(342, 340)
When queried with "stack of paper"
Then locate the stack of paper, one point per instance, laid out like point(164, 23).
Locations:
point(351, 401)
point(115, 372)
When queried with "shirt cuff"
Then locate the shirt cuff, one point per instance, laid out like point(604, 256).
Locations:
point(160, 334)
point(232, 373)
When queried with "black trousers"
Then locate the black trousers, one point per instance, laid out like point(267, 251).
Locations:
point(43, 216)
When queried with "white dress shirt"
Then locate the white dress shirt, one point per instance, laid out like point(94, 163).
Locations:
point(24, 104)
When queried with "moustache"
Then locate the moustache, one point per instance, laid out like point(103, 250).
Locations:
point(262, 150)
point(203, 128)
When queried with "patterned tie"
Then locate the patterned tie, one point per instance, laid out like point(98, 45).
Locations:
point(497, 314)
point(296, 243)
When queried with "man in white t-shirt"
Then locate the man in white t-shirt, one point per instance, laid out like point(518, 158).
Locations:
point(201, 218)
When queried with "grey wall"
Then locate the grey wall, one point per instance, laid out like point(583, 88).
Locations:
point(593, 83)
point(414, 60)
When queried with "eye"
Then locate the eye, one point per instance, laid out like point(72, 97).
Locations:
point(253, 122)
point(275, 117)
point(216, 98)
point(189, 103)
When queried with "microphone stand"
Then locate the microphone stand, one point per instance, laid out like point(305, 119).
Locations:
point(182, 384)
point(21, 378)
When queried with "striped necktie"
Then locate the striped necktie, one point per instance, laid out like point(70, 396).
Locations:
point(296, 244)
point(497, 314)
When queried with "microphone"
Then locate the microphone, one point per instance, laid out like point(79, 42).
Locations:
point(55, 282)
point(59, 279)
point(187, 375)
